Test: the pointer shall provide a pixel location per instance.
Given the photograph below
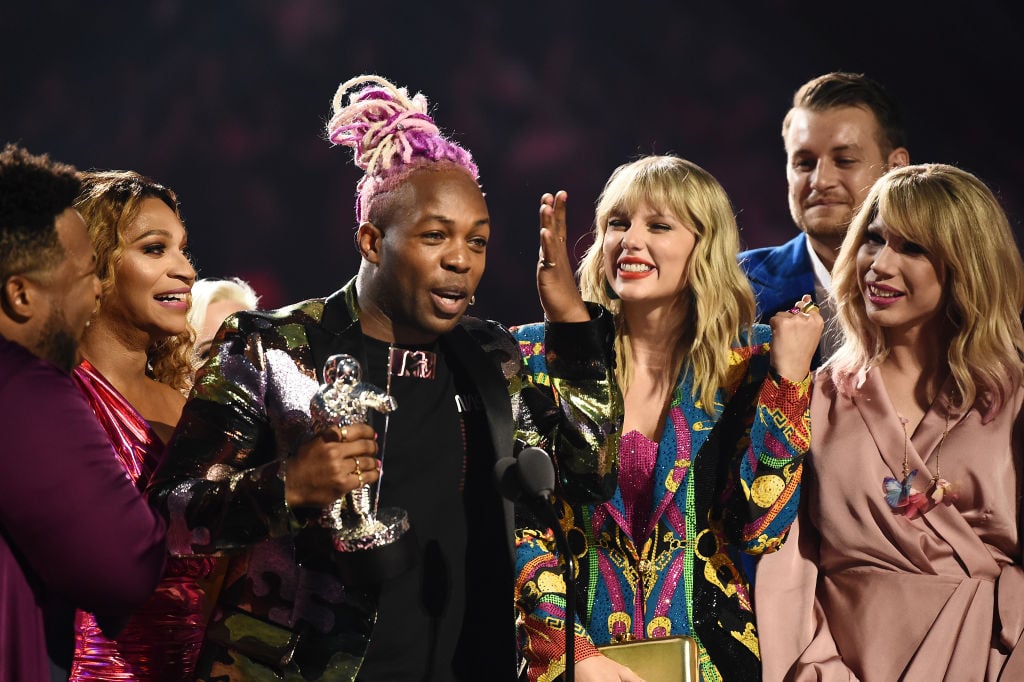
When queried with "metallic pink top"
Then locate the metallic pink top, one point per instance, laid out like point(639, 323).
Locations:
point(637, 457)
point(163, 638)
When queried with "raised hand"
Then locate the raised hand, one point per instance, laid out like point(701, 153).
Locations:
point(795, 337)
point(559, 295)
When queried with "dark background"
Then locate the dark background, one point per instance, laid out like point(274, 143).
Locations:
point(225, 102)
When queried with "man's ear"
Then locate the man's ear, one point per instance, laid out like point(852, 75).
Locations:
point(20, 297)
point(368, 238)
point(898, 157)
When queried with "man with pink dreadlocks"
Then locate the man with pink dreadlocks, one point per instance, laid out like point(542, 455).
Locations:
point(247, 477)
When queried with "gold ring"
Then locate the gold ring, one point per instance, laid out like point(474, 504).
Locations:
point(359, 477)
point(809, 307)
point(547, 263)
point(344, 434)
point(356, 470)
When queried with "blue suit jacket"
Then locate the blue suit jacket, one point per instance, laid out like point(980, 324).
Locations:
point(780, 275)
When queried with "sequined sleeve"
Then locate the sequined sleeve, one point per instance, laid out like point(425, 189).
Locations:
point(221, 483)
point(770, 467)
point(573, 407)
point(573, 373)
point(540, 603)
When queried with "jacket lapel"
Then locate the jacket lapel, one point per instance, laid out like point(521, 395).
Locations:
point(490, 384)
point(338, 330)
point(883, 423)
point(492, 388)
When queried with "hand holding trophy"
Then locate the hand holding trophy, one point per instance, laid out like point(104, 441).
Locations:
point(373, 544)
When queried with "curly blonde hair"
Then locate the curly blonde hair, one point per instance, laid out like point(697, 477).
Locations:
point(721, 302)
point(956, 219)
point(110, 201)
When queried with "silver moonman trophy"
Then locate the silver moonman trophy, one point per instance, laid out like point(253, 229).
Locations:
point(372, 545)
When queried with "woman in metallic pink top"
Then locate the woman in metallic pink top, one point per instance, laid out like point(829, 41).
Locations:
point(137, 365)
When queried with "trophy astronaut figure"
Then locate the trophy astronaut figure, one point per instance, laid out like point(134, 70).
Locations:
point(343, 400)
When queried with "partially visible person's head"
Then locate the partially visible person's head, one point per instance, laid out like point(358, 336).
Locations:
point(47, 265)
point(843, 132)
point(939, 218)
point(665, 235)
point(423, 222)
point(213, 300)
point(144, 266)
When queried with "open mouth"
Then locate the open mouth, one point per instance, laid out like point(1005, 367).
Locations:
point(173, 299)
point(635, 267)
point(448, 301)
point(882, 295)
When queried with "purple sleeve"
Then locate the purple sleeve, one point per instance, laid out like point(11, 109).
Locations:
point(66, 504)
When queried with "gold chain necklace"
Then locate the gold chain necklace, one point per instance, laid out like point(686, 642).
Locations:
point(901, 495)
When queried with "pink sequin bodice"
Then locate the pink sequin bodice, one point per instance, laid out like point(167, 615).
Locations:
point(637, 457)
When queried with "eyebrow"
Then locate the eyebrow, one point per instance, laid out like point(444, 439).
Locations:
point(838, 148)
point(152, 233)
point(451, 221)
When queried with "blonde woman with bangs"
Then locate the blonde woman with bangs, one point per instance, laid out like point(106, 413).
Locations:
point(911, 530)
point(714, 432)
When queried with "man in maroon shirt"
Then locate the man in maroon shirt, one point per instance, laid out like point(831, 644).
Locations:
point(74, 532)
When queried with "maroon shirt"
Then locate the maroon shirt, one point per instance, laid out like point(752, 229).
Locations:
point(74, 531)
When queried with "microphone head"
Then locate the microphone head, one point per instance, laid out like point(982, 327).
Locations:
point(536, 473)
point(507, 476)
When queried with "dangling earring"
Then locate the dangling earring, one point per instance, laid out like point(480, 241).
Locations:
point(609, 292)
point(472, 299)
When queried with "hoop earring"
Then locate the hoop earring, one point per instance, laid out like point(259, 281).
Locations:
point(472, 299)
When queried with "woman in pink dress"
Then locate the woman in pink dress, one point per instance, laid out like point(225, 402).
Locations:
point(138, 363)
point(906, 562)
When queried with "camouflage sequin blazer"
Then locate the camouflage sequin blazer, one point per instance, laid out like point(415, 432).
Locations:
point(283, 612)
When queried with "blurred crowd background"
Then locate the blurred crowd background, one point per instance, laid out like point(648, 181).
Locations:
point(225, 102)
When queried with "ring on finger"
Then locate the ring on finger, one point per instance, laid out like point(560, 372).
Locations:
point(809, 307)
point(344, 434)
point(544, 263)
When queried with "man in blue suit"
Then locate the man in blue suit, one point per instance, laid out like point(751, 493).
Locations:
point(841, 134)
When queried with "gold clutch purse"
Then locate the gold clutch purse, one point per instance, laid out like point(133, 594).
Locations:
point(663, 659)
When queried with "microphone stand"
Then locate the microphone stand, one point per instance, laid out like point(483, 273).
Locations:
point(569, 577)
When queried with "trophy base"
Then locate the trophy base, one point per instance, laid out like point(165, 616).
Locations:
point(375, 550)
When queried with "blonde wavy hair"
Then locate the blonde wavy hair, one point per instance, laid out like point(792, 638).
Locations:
point(721, 302)
point(959, 222)
point(110, 201)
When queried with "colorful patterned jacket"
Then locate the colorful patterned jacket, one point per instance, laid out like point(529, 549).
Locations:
point(283, 612)
point(723, 485)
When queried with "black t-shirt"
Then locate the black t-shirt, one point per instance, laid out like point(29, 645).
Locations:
point(422, 613)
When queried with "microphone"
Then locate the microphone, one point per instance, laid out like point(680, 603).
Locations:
point(530, 479)
point(531, 475)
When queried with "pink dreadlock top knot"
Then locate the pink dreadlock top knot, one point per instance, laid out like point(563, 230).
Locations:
point(390, 134)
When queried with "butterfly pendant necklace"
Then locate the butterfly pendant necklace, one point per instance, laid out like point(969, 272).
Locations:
point(901, 495)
